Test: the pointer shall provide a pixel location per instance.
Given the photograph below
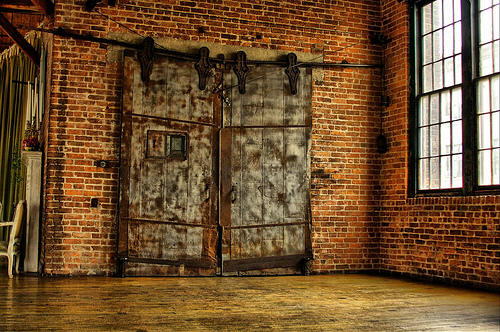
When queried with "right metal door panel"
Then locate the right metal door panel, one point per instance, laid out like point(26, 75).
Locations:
point(267, 133)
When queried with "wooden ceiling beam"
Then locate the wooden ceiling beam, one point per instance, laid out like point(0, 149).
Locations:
point(46, 6)
point(32, 11)
point(26, 5)
point(26, 47)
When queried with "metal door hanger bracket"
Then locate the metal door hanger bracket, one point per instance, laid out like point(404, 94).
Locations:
point(293, 72)
point(241, 70)
point(146, 58)
point(204, 67)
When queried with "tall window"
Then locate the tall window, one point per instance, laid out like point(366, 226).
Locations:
point(456, 127)
point(488, 91)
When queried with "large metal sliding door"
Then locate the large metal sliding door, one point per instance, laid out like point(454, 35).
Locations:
point(204, 196)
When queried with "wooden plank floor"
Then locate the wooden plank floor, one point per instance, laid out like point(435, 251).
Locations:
point(315, 303)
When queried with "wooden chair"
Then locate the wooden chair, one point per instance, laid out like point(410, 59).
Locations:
point(12, 248)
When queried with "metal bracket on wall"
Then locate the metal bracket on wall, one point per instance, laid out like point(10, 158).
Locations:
point(146, 58)
point(203, 66)
point(241, 70)
point(293, 72)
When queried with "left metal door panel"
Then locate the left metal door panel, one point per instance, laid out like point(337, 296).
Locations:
point(168, 196)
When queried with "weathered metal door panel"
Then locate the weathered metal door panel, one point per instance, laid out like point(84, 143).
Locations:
point(168, 196)
point(265, 182)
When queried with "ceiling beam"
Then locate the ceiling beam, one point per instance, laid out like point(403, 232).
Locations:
point(18, 5)
point(46, 6)
point(19, 40)
point(32, 11)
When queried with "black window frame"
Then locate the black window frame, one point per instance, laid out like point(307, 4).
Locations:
point(470, 69)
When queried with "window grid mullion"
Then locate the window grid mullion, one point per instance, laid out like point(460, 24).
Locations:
point(469, 125)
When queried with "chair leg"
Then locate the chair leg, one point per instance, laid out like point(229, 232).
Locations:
point(9, 271)
point(17, 263)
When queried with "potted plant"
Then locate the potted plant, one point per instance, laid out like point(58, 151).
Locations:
point(30, 142)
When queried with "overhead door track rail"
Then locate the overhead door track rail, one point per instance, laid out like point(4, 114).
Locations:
point(195, 57)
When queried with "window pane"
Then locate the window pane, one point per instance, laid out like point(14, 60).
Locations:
point(496, 56)
point(458, 69)
point(484, 4)
point(434, 132)
point(445, 106)
point(427, 78)
point(437, 45)
point(424, 142)
point(448, 41)
point(436, 15)
point(435, 173)
point(424, 111)
point(458, 38)
point(483, 90)
point(427, 19)
point(424, 175)
point(434, 111)
point(496, 22)
point(485, 167)
point(486, 59)
point(446, 172)
point(457, 137)
point(495, 130)
point(485, 26)
point(449, 73)
point(456, 104)
point(445, 138)
point(484, 131)
point(427, 49)
point(447, 12)
point(457, 10)
point(456, 171)
point(496, 166)
point(438, 75)
point(495, 93)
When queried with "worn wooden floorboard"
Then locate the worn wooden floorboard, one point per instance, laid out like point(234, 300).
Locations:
point(315, 303)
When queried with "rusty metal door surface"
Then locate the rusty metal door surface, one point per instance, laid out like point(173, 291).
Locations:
point(184, 209)
point(168, 195)
point(265, 173)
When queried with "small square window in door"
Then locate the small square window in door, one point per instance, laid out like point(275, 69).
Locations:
point(164, 144)
point(176, 146)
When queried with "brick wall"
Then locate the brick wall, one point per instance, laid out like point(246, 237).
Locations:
point(453, 239)
point(86, 102)
point(362, 218)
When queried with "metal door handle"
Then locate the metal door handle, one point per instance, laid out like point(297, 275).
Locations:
point(233, 194)
point(207, 192)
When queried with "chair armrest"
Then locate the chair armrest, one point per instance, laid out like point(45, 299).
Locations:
point(6, 223)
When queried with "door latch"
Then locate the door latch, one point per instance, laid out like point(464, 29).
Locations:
point(233, 194)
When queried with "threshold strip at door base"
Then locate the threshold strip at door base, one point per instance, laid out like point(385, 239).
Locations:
point(202, 263)
point(267, 225)
point(261, 263)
